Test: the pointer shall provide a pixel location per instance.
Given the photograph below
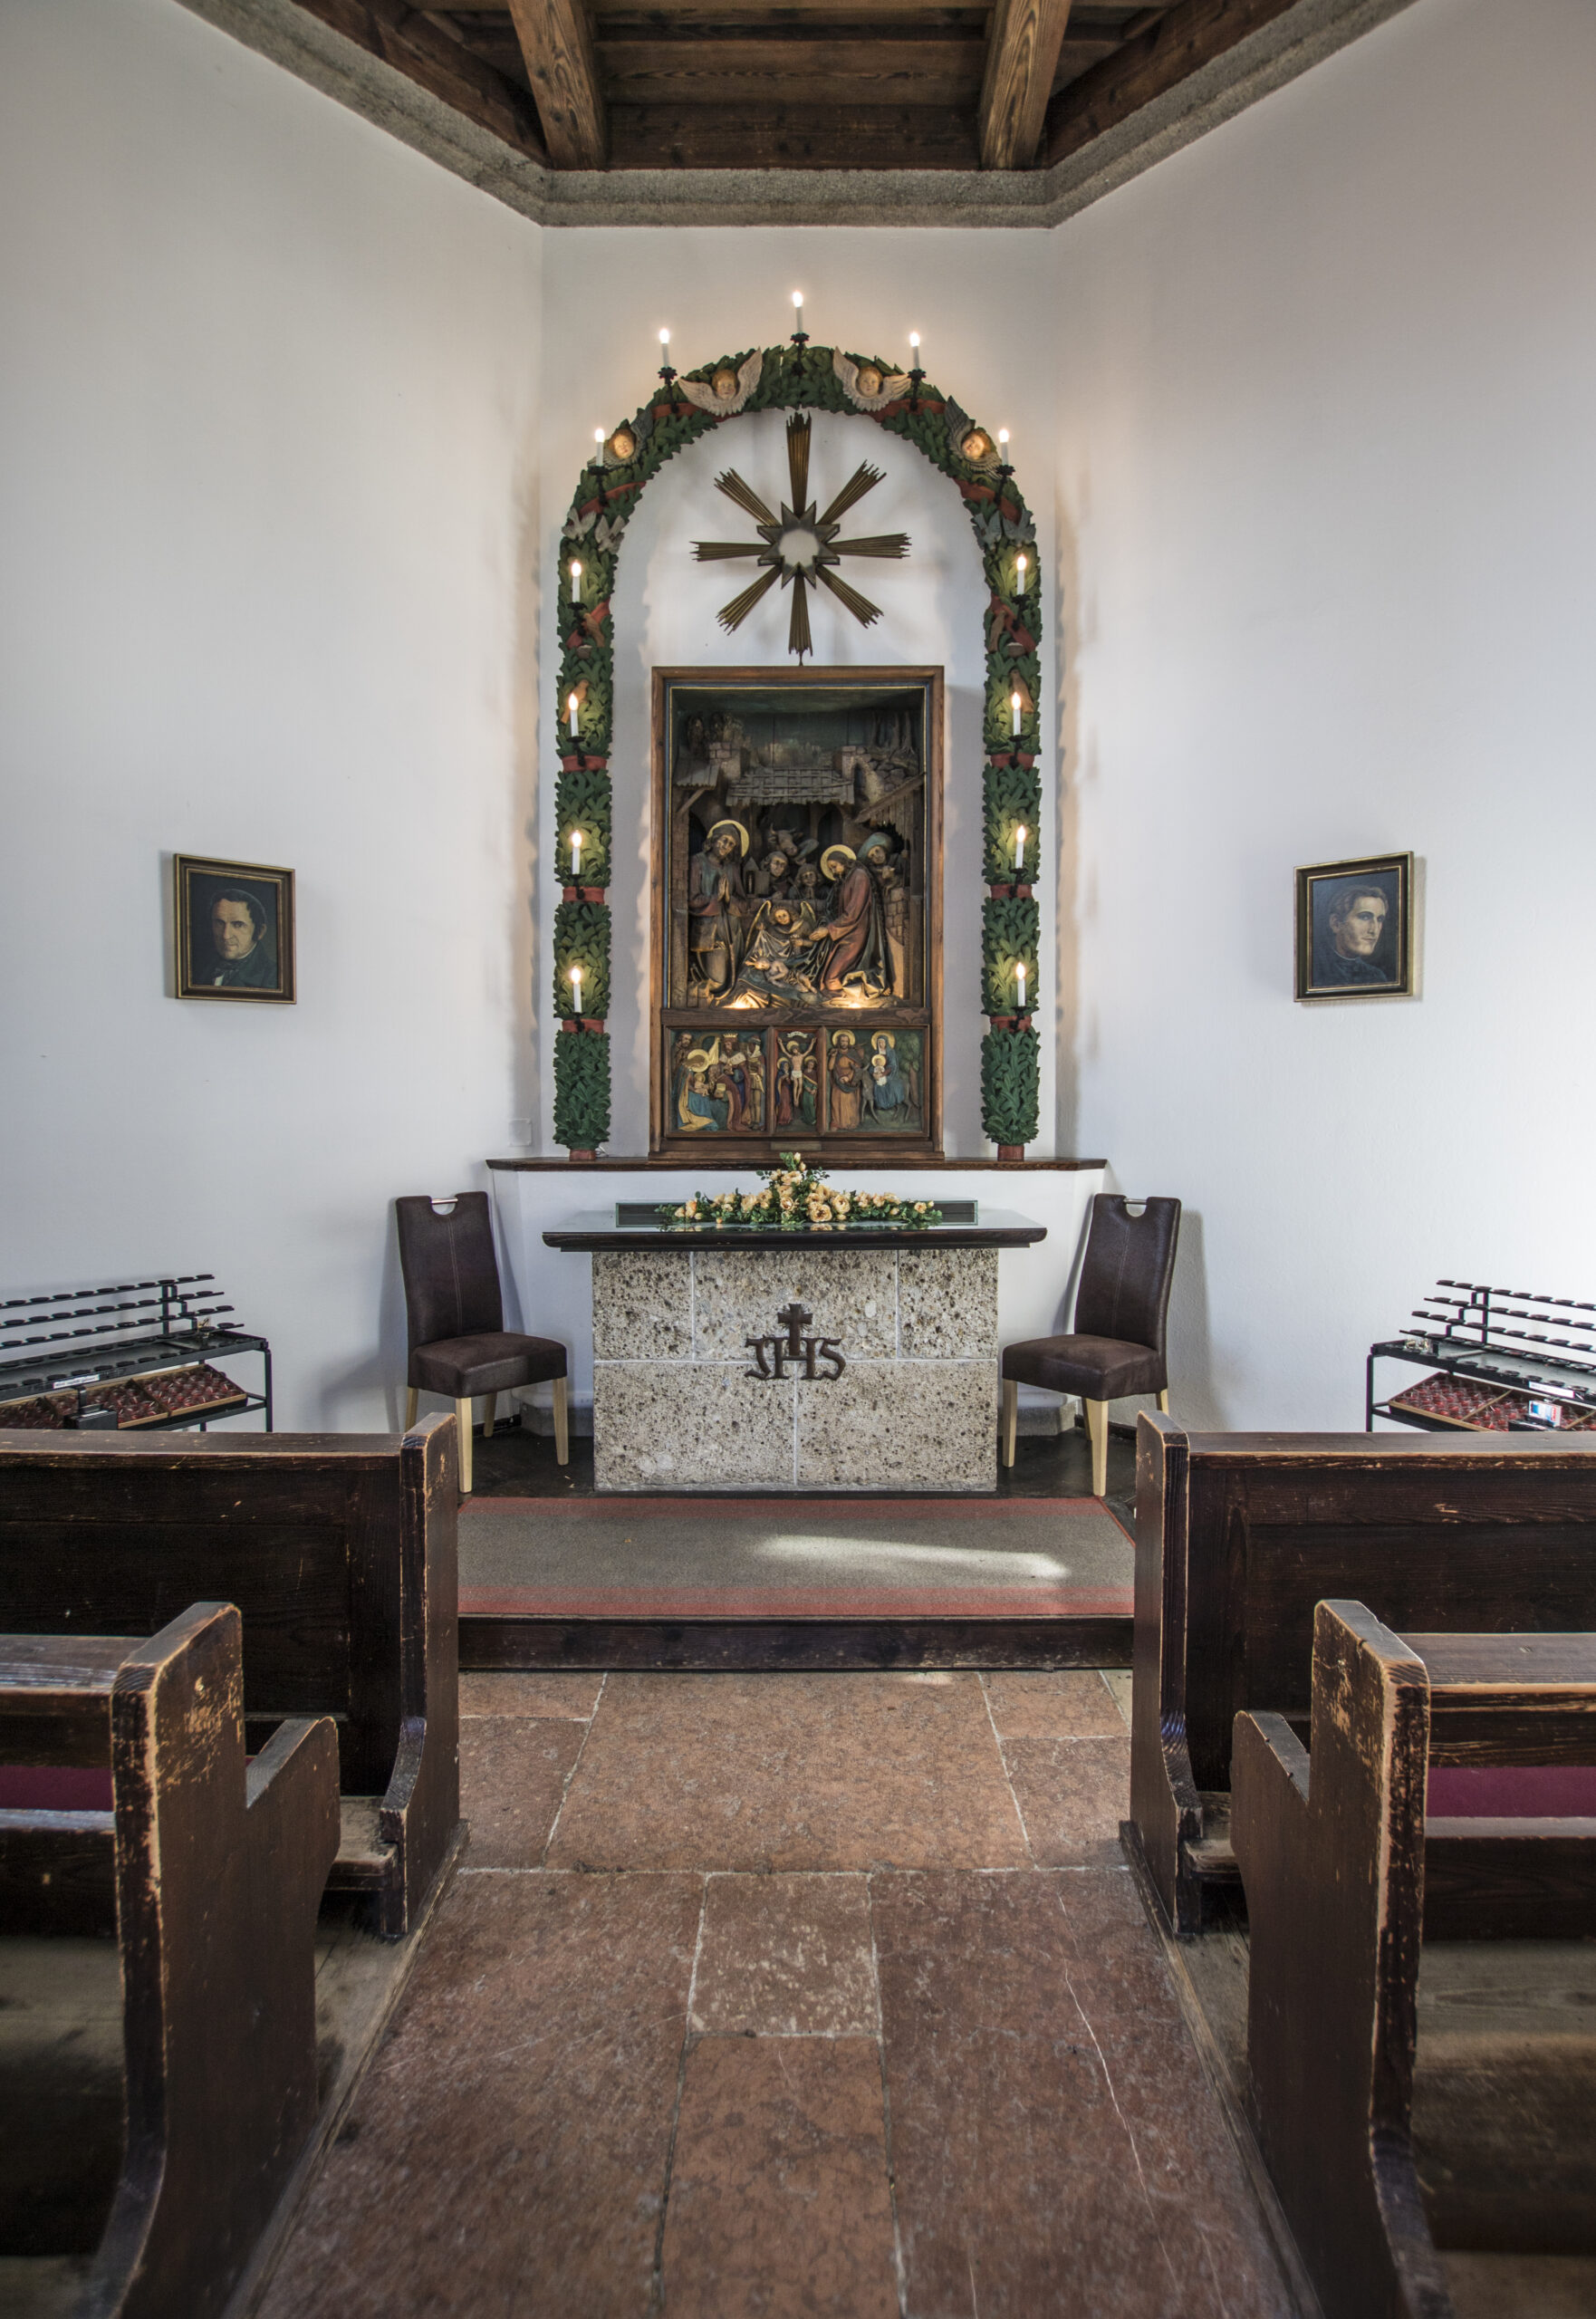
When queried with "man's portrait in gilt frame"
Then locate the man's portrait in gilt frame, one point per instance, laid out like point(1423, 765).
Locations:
point(234, 930)
point(1355, 929)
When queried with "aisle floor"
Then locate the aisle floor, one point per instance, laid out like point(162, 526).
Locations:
point(784, 1994)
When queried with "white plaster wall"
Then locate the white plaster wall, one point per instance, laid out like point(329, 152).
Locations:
point(268, 533)
point(1327, 493)
point(975, 299)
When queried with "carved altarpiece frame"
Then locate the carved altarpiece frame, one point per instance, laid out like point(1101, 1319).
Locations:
point(819, 1030)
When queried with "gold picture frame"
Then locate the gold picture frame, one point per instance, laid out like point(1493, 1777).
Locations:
point(233, 930)
point(1354, 928)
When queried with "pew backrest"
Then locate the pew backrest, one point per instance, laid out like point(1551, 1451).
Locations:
point(339, 1551)
point(1337, 1853)
point(209, 1872)
point(1239, 1537)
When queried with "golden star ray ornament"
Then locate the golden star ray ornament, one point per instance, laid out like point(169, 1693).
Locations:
point(799, 547)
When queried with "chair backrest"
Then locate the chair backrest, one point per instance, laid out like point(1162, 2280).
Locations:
point(451, 1274)
point(1126, 1269)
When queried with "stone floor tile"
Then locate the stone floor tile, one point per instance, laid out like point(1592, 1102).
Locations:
point(790, 1771)
point(1020, 2181)
point(1115, 1963)
point(779, 2199)
point(552, 1692)
point(1038, 1706)
point(1118, 1679)
point(786, 1956)
point(506, 2152)
point(513, 1775)
point(1072, 1794)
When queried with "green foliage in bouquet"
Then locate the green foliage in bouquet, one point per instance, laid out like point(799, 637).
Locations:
point(582, 801)
point(1011, 800)
point(582, 938)
point(796, 1198)
point(582, 1089)
point(1009, 934)
point(1010, 1066)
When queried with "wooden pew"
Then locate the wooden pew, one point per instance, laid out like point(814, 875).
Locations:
point(340, 1552)
point(1239, 1534)
point(209, 1874)
point(1343, 1878)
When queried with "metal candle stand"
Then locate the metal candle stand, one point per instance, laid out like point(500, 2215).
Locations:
point(74, 1339)
point(1463, 1330)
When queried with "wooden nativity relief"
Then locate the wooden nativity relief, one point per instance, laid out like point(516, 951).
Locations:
point(796, 974)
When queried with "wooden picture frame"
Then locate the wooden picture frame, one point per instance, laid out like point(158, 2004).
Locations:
point(233, 930)
point(796, 1033)
point(1354, 928)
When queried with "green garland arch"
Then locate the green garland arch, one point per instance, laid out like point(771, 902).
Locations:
point(796, 377)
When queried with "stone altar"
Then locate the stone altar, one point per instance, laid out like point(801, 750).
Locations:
point(716, 1353)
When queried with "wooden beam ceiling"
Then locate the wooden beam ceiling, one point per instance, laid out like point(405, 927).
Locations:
point(1164, 47)
point(1023, 46)
point(869, 87)
point(557, 44)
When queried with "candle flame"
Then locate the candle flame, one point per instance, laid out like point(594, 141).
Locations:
point(798, 297)
point(665, 338)
point(914, 339)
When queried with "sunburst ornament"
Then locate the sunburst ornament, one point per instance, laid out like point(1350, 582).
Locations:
point(798, 548)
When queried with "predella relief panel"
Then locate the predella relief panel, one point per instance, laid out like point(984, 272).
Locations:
point(797, 893)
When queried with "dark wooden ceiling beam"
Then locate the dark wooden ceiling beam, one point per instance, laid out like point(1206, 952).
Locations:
point(794, 70)
point(557, 42)
point(1183, 40)
point(773, 136)
point(402, 36)
point(1022, 57)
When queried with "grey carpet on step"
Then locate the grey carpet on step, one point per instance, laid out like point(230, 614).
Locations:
point(510, 1543)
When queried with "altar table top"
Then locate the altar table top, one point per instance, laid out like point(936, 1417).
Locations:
point(596, 1229)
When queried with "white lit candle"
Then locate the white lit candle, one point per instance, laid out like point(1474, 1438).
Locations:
point(1020, 847)
point(598, 441)
point(576, 987)
point(571, 711)
point(914, 340)
point(1020, 980)
point(575, 853)
point(575, 576)
point(1020, 568)
point(1003, 443)
point(1014, 702)
point(797, 309)
point(665, 338)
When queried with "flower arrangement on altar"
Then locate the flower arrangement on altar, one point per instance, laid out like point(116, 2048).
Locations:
point(796, 1198)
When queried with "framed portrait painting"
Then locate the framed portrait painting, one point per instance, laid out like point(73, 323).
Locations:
point(234, 930)
point(1355, 929)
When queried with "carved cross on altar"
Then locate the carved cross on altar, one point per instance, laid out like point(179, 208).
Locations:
point(772, 1354)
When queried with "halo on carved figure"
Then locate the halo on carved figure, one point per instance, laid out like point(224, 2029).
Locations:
point(799, 547)
point(737, 829)
point(835, 859)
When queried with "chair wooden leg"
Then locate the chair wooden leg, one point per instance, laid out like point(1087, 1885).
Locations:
point(463, 1418)
point(562, 1422)
point(1097, 1425)
point(1010, 1419)
point(487, 1417)
point(1164, 1400)
point(410, 1391)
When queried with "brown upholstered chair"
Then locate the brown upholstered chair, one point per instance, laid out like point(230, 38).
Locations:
point(459, 1345)
point(1121, 1310)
